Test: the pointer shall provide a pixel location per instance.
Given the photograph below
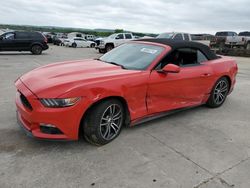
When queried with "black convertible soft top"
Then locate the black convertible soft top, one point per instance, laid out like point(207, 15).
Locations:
point(174, 44)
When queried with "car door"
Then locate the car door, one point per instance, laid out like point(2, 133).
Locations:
point(85, 43)
point(23, 40)
point(168, 91)
point(77, 41)
point(119, 39)
point(7, 41)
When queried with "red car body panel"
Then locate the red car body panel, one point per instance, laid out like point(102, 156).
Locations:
point(145, 92)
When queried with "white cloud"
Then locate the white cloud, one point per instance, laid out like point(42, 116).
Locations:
point(136, 15)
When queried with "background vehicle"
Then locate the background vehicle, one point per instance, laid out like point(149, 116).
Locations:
point(202, 38)
point(113, 41)
point(78, 42)
point(59, 41)
point(132, 83)
point(242, 40)
point(89, 37)
point(176, 36)
point(23, 41)
point(75, 34)
point(220, 38)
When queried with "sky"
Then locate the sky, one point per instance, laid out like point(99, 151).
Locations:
point(150, 16)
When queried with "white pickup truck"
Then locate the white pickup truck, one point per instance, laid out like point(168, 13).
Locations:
point(242, 40)
point(113, 41)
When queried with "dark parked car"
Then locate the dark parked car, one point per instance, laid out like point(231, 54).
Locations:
point(23, 41)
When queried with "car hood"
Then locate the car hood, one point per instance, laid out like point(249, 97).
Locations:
point(59, 78)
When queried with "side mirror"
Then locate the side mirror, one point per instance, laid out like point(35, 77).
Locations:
point(171, 68)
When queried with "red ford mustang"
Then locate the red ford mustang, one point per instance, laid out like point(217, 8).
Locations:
point(134, 82)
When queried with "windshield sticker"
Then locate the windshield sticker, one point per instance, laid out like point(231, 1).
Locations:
point(150, 51)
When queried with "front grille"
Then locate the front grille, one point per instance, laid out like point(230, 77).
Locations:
point(25, 102)
point(97, 42)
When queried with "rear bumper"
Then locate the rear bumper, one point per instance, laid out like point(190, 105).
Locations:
point(45, 46)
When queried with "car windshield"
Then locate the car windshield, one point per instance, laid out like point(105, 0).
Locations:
point(245, 34)
point(165, 35)
point(112, 36)
point(133, 56)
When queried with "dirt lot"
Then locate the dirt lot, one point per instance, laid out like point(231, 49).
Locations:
point(202, 147)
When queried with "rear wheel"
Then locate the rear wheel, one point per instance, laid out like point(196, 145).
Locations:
point(103, 122)
point(219, 93)
point(92, 45)
point(36, 49)
point(74, 45)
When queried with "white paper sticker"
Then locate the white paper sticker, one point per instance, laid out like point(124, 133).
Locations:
point(150, 51)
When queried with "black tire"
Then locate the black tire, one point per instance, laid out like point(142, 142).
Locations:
point(92, 45)
point(248, 46)
point(109, 47)
point(36, 49)
point(74, 45)
point(102, 51)
point(100, 125)
point(219, 93)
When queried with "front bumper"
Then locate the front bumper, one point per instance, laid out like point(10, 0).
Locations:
point(45, 46)
point(67, 120)
point(100, 46)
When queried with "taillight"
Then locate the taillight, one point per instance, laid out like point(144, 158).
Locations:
point(45, 39)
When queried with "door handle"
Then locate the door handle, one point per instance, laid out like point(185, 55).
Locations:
point(205, 75)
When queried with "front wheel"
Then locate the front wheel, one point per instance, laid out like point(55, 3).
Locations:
point(109, 47)
point(92, 45)
point(74, 45)
point(219, 93)
point(103, 122)
point(248, 46)
point(102, 51)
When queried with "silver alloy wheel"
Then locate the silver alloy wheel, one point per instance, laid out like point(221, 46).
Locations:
point(220, 92)
point(111, 122)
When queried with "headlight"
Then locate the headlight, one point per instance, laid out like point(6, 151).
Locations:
point(59, 103)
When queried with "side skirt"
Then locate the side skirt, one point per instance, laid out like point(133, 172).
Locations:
point(159, 115)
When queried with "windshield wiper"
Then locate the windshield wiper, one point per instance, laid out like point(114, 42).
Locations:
point(113, 63)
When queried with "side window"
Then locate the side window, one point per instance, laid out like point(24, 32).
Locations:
point(22, 35)
point(78, 35)
point(186, 37)
point(201, 57)
point(128, 36)
point(120, 36)
point(9, 36)
point(178, 37)
point(183, 57)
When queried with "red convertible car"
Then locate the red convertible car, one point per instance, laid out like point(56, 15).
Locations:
point(133, 83)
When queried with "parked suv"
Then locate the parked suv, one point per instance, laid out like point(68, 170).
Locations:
point(23, 41)
point(175, 36)
point(113, 41)
point(220, 38)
